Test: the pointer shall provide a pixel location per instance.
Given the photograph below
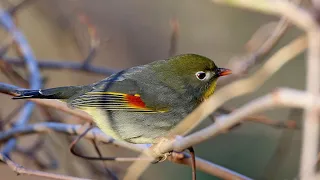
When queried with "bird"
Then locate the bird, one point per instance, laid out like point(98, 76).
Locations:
point(143, 103)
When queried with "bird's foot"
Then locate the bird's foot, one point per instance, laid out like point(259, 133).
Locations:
point(163, 156)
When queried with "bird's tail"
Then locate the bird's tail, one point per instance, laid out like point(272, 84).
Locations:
point(51, 93)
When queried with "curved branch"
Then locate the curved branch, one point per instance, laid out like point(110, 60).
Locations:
point(279, 98)
point(34, 79)
point(21, 170)
point(98, 135)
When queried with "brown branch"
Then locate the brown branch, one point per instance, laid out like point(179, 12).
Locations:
point(20, 170)
point(97, 135)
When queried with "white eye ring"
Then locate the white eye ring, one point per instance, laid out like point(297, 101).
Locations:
point(202, 75)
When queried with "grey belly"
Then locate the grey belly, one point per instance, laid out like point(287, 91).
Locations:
point(143, 127)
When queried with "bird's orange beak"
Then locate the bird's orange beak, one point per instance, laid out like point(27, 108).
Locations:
point(224, 71)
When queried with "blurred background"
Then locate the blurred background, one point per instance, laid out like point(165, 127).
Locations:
point(137, 32)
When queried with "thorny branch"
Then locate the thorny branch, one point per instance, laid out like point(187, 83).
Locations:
point(279, 98)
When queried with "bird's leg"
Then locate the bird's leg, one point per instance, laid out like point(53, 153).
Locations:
point(174, 156)
point(193, 164)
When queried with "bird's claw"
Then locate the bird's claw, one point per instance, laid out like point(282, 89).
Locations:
point(161, 158)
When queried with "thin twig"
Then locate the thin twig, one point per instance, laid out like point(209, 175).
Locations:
point(35, 80)
point(296, 15)
point(97, 135)
point(20, 170)
point(65, 64)
point(288, 124)
point(174, 37)
point(13, 10)
point(31, 154)
point(94, 40)
point(241, 65)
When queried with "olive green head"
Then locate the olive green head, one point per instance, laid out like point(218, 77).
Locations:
point(191, 73)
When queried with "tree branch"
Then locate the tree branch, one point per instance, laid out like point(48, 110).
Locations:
point(21, 170)
point(35, 80)
point(97, 135)
point(65, 64)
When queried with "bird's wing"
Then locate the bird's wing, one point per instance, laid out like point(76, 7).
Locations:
point(125, 91)
point(113, 101)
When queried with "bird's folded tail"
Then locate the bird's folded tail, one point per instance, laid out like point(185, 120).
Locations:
point(51, 93)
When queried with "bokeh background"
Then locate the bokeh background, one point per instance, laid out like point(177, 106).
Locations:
point(137, 32)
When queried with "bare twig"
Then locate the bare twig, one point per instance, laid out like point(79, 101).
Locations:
point(97, 135)
point(23, 171)
point(30, 153)
point(202, 164)
point(94, 40)
point(174, 37)
point(13, 10)
point(65, 64)
point(311, 117)
point(73, 151)
point(83, 66)
point(35, 80)
point(241, 65)
point(288, 124)
point(296, 15)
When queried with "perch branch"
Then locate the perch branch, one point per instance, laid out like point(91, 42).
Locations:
point(97, 135)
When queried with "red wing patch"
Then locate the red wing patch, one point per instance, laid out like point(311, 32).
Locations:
point(135, 101)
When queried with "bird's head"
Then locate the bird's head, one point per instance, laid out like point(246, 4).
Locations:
point(191, 73)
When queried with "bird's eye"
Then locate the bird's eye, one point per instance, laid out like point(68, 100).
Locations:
point(201, 75)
